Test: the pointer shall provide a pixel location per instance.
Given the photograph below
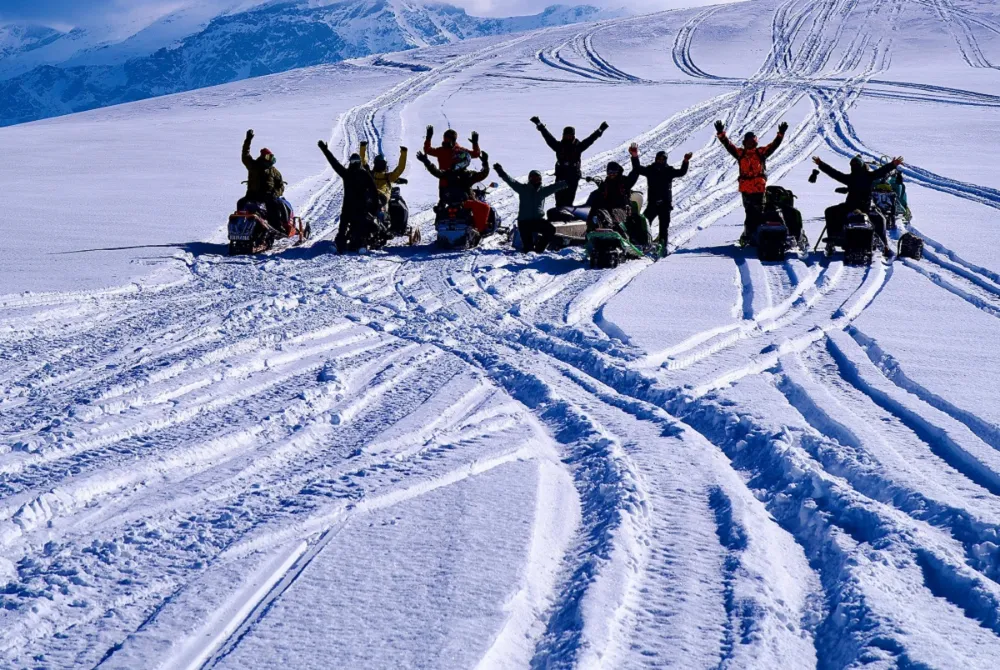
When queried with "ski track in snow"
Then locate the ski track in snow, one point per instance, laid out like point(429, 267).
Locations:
point(159, 436)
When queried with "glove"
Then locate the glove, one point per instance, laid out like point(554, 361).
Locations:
point(634, 149)
point(604, 126)
point(498, 167)
point(782, 127)
point(421, 156)
point(535, 120)
point(430, 132)
point(321, 144)
point(720, 127)
point(403, 150)
point(250, 134)
point(688, 156)
point(364, 143)
point(816, 160)
point(475, 137)
point(897, 161)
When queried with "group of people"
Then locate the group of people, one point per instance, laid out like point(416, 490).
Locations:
point(367, 189)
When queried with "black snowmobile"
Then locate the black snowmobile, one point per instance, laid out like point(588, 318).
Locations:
point(857, 239)
point(254, 230)
point(394, 215)
point(454, 224)
point(781, 230)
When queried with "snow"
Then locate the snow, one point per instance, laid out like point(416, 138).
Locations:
point(410, 458)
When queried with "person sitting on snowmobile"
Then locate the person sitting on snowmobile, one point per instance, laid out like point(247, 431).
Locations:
point(266, 186)
point(859, 196)
point(753, 173)
point(613, 197)
point(445, 154)
point(536, 231)
point(457, 182)
point(384, 178)
point(660, 190)
point(384, 182)
point(569, 156)
point(361, 201)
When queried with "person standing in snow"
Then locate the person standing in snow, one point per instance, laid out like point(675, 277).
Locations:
point(536, 231)
point(361, 201)
point(859, 184)
point(752, 159)
point(660, 190)
point(266, 186)
point(445, 154)
point(569, 157)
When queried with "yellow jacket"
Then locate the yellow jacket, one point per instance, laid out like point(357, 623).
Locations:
point(385, 180)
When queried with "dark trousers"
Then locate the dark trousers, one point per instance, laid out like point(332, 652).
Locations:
point(753, 206)
point(660, 210)
point(536, 234)
point(567, 196)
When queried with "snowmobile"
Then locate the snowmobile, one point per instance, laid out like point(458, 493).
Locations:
point(454, 224)
point(395, 216)
point(610, 244)
point(857, 239)
point(570, 224)
point(251, 231)
point(781, 231)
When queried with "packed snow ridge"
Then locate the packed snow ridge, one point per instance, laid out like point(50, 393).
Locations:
point(413, 458)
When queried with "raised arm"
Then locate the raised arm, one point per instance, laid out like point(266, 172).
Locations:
point(594, 136)
point(510, 181)
point(830, 172)
point(552, 189)
point(400, 167)
point(639, 167)
point(779, 138)
point(332, 160)
point(246, 157)
point(485, 172)
point(683, 169)
point(363, 152)
point(887, 169)
point(476, 151)
point(433, 169)
point(720, 132)
point(546, 135)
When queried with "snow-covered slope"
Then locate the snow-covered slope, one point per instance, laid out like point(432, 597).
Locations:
point(197, 47)
point(490, 459)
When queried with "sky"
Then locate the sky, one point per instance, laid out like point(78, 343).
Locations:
point(67, 13)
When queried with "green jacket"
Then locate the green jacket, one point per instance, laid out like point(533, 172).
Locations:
point(263, 179)
point(532, 200)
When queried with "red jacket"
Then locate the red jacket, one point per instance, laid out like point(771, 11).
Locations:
point(753, 163)
point(446, 155)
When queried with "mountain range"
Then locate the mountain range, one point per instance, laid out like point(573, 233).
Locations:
point(45, 72)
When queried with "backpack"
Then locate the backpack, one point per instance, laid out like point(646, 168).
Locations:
point(911, 246)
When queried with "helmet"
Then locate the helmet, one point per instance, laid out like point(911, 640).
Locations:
point(535, 175)
point(379, 164)
point(451, 135)
point(268, 156)
point(569, 131)
point(355, 159)
point(858, 164)
point(661, 154)
point(462, 160)
point(615, 169)
point(749, 137)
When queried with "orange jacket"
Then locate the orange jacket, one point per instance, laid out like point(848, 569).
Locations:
point(753, 163)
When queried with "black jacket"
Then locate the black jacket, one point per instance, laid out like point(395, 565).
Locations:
point(859, 183)
point(456, 185)
point(569, 155)
point(360, 193)
point(615, 193)
point(660, 179)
